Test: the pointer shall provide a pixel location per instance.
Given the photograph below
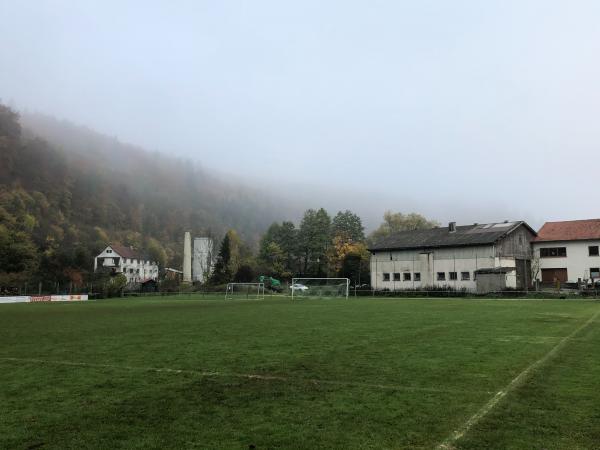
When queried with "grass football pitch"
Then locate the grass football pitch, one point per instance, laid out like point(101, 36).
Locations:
point(359, 373)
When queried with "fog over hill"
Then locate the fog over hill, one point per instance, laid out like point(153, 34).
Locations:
point(459, 111)
point(213, 201)
point(273, 191)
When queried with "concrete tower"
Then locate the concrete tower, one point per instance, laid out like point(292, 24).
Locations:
point(202, 263)
point(187, 258)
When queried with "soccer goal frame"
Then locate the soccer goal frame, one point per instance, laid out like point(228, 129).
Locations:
point(341, 281)
point(258, 294)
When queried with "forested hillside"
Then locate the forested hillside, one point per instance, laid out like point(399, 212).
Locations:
point(66, 191)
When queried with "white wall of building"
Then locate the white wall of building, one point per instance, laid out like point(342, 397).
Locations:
point(428, 263)
point(108, 259)
point(137, 270)
point(577, 262)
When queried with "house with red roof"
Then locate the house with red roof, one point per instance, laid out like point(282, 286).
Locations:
point(568, 251)
point(137, 267)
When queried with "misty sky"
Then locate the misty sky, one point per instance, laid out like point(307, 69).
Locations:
point(461, 110)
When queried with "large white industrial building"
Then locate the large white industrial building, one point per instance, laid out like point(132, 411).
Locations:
point(478, 257)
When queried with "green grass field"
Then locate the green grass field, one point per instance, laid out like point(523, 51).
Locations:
point(358, 373)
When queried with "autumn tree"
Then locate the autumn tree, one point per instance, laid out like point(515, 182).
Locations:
point(156, 251)
point(314, 238)
point(18, 255)
point(241, 252)
point(236, 251)
point(348, 259)
point(274, 260)
point(233, 254)
point(356, 265)
point(271, 236)
point(221, 272)
point(346, 223)
point(278, 249)
point(396, 222)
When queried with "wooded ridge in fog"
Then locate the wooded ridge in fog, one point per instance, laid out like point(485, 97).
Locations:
point(66, 191)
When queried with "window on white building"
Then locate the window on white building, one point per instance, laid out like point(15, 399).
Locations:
point(595, 272)
point(593, 250)
point(108, 250)
point(406, 276)
point(396, 276)
point(553, 252)
point(386, 277)
point(453, 276)
point(417, 276)
point(441, 276)
point(465, 276)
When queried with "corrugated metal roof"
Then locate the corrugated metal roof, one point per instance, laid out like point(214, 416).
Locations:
point(465, 235)
point(571, 230)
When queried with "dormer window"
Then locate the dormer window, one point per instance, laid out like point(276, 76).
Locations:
point(108, 250)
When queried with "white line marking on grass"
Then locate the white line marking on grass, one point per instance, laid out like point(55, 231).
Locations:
point(448, 444)
point(248, 376)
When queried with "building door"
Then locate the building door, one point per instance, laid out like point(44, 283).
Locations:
point(523, 267)
point(550, 275)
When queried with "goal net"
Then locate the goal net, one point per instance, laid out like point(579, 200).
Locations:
point(320, 287)
point(245, 290)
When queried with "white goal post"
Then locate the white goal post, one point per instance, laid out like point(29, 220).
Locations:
point(245, 290)
point(320, 287)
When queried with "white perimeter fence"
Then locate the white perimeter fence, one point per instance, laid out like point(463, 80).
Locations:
point(44, 298)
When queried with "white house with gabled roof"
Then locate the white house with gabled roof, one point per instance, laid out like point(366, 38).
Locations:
point(136, 266)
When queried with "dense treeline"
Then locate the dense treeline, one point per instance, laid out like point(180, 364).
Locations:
point(64, 197)
point(320, 246)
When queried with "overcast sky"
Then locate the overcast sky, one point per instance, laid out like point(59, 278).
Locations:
point(461, 110)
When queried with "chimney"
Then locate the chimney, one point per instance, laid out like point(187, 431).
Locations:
point(452, 227)
point(187, 257)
